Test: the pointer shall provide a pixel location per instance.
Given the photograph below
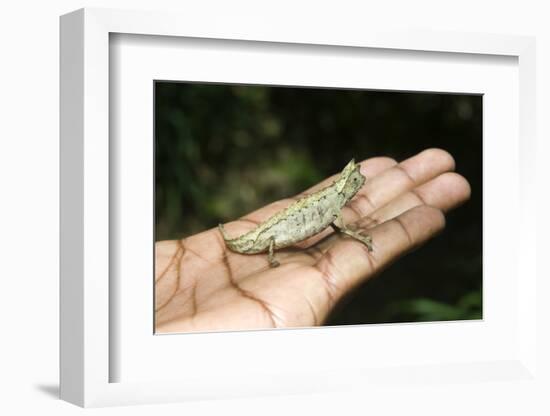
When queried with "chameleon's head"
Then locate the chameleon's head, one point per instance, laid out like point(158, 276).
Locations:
point(350, 180)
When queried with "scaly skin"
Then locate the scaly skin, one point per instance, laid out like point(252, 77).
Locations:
point(304, 218)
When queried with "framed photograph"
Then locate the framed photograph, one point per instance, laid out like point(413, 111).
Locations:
point(268, 212)
point(224, 150)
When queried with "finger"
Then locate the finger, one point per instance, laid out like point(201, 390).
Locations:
point(392, 183)
point(445, 192)
point(348, 262)
point(389, 185)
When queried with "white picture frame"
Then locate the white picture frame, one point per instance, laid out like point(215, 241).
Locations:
point(87, 302)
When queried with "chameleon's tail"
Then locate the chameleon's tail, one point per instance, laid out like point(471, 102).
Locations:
point(232, 244)
point(238, 245)
point(224, 233)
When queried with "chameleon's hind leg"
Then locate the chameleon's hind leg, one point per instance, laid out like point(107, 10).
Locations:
point(271, 255)
point(365, 239)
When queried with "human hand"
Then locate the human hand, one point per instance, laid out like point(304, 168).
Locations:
point(200, 285)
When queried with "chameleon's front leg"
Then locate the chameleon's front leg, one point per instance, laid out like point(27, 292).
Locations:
point(365, 239)
point(270, 254)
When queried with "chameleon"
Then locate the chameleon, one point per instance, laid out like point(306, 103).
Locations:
point(303, 218)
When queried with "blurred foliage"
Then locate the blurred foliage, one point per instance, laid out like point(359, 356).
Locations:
point(222, 151)
point(422, 309)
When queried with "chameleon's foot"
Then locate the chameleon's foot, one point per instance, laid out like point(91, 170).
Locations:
point(365, 239)
point(273, 262)
point(357, 234)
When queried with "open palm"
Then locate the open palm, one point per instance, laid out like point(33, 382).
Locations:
point(201, 286)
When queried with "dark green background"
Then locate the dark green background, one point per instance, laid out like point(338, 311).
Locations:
point(222, 151)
